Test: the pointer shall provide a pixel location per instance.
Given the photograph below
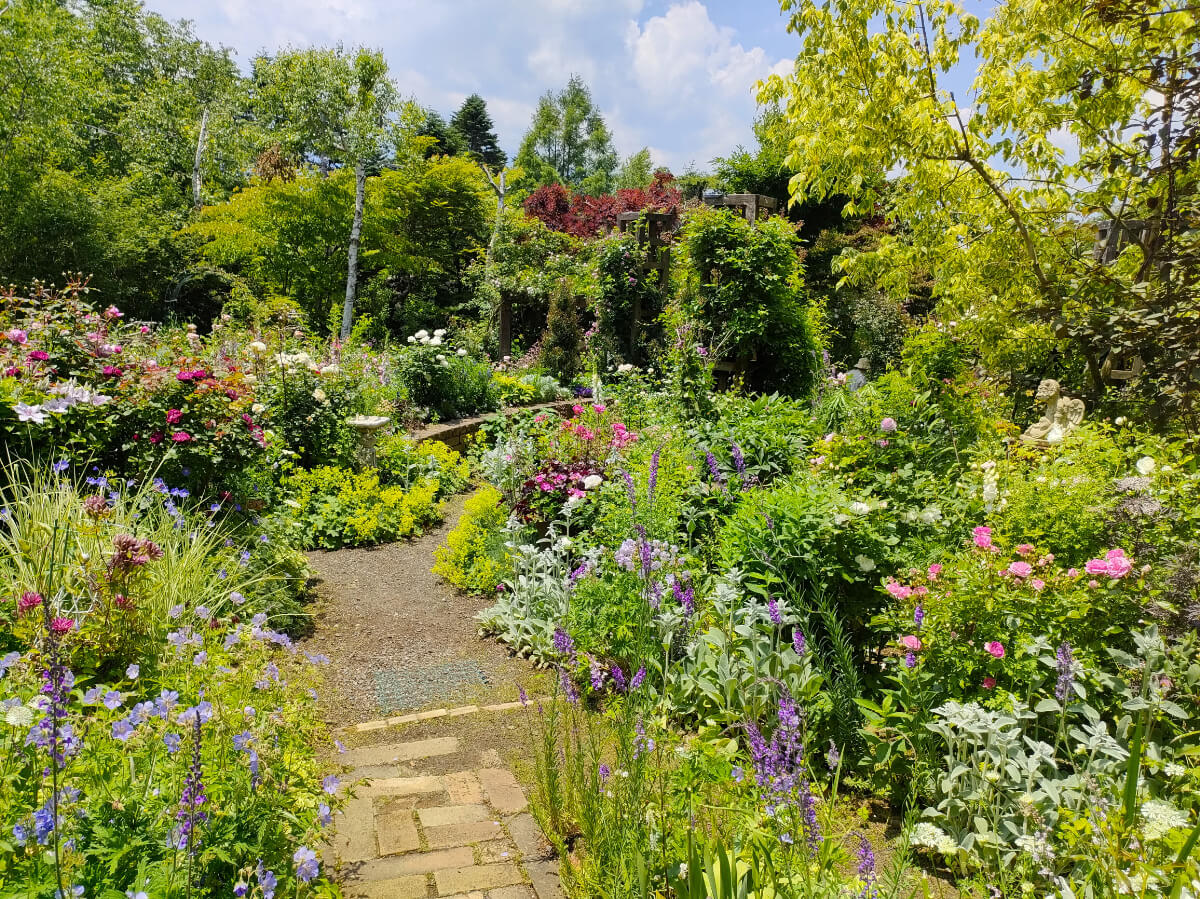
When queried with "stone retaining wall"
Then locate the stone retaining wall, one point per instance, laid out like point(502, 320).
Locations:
point(455, 433)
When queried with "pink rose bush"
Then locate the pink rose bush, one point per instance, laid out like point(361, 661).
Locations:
point(977, 610)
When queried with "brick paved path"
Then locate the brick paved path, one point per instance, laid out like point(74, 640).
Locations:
point(411, 832)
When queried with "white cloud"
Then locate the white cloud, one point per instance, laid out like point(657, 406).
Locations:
point(684, 55)
point(676, 80)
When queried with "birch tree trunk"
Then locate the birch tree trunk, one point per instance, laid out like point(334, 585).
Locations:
point(197, 178)
point(360, 184)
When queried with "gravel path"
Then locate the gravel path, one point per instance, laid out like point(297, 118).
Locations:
point(398, 637)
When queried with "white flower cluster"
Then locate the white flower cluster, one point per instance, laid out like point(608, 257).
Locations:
point(1160, 818)
point(930, 836)
point(424, 338)
point(66, 396)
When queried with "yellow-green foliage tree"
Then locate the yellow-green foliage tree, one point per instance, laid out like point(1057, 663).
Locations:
point(289, 238)
point(1079, 113)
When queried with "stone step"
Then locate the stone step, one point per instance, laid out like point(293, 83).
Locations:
point(476, 877)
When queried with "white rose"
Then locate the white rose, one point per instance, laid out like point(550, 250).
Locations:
point(319, 395)
point(440, 332)
point(333, 369)
point(412, 339)
point(257, 408)
point(257, 347)
point(424, 340)
point(1145, 465)
point(865, 563)
point(592, 481)
point(860, 508)
point(460, 352)
point(422, 334)
point(436, 341)
point(441, 358)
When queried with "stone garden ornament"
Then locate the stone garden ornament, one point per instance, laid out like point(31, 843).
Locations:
point(1063, 414)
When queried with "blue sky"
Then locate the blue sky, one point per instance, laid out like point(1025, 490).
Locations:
point(672, 75)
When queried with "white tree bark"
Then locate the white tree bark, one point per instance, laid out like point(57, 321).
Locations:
point(197, 178)
point(360, 185)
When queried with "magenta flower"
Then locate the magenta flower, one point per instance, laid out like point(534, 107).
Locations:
point(174, 416)
point(989, 682)
point(62, 626)
point(181, 437)
point(29, 600)
point(983, 537)
point(995, 648)
point(39, 356)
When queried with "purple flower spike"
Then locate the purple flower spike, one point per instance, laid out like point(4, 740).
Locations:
point(638, 678)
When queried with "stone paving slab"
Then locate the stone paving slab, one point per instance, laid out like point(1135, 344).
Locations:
point(476, 877)
point(395, 753)
point(410, 834)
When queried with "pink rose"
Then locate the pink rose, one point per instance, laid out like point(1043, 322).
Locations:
point(888, 424)
point(995, 648)
point(600, 409)
point(174, 416)
point(1093, 583)
point(39, 356)
point(1119, 564)
point(16, 335)
point(982, 536)
point(989, 682)
point(934, 570)
point(1038, 584)
point(1025, 549)
point(1096, 566)
point(181, 437)
point(911, 642)
point(1020, 569)
point(898, 590)
point(1072, 572)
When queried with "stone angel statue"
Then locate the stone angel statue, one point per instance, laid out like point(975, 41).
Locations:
point(1062, 415)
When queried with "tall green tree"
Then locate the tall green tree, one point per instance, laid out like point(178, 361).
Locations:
point(568, 142)
point(443, 139)
point(636, 172)
point(336, 106)
point(112, 122)
point(474, 126)
point(1081, 120)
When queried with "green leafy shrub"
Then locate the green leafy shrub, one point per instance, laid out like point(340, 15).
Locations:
point(474, 558)
point(333, 507)
point(403, 463)
point(749, 296)
point(440, 384)
point(514, 391)
point(562, 341)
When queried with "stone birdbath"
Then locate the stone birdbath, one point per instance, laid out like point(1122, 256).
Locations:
point(367, 426)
